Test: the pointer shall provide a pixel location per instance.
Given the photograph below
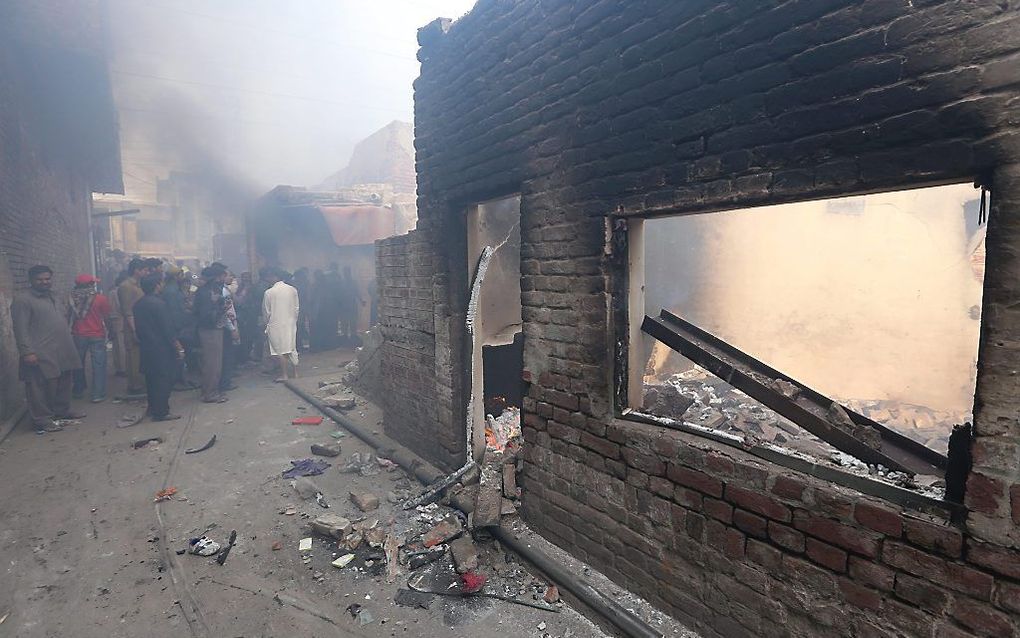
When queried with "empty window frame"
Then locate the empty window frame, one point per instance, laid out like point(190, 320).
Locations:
point(871, 300)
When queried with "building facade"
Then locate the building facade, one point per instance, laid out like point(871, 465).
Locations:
point(597, 117)
point(59, 143)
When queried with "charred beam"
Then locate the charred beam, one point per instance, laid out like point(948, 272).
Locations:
point(835, 424)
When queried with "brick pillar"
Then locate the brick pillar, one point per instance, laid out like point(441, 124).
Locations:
point(993, 488)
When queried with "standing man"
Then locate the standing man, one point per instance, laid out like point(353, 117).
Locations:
point(88, 312)
point(47, 354)
point(231, 335)
point(160, 350)
point(350, 305)
point(211, 316)
point(128, 295)
point(280, 310)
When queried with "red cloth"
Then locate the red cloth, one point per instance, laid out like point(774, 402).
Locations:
point(93, 323)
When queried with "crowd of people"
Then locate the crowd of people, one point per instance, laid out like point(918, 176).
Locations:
point(172, 329)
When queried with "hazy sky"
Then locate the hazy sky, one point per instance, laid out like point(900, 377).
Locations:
point(272, 91)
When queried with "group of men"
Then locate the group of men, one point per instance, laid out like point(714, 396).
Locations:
point(156, 320)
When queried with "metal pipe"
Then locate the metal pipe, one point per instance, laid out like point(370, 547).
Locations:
point(621, 618)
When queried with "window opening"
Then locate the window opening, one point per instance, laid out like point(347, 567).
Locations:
point(874, 301)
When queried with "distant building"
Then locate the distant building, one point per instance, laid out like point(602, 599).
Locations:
point(186, 224)
point(339, 220)
point(59, 143)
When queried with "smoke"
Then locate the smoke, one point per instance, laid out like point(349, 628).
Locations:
point(249, 94)
point(863, 298)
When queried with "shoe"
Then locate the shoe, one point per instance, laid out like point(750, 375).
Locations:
point(52, 426)
point(219, 399)
point(166, 417)
point(70, 416)
point(99, 399)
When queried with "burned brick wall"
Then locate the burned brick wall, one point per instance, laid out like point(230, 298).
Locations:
point(597, 111)
point(415, 356)
point(44, 186)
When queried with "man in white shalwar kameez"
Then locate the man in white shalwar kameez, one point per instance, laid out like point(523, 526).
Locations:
point(280, 313)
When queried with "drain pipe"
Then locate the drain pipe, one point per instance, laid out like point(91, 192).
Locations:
point(612, 611)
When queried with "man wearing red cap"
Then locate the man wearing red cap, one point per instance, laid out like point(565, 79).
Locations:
point(88, 312)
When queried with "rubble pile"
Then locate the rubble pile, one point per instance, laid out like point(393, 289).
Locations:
point(712, 403)
point(434, 550)
point(716, 405)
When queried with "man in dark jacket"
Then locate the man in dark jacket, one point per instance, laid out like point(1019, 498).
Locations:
point(158, 347)
point(48, 357)
point(211, 316)
point(173, 295)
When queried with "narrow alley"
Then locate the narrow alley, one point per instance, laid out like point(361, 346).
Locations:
point(530, 318)
point(91, 553)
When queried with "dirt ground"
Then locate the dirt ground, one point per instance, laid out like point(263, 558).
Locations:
point(86, 552)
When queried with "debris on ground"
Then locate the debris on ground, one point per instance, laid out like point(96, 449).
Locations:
point(413, 599)
point(332, 525)
point(205, 447)
point(307, 420)
point(330, 450)
point(203, 546)
point(306, 488)
point(277, 546)
point(337, 434)
point(343, 561)
point(363, 616)
point(552, 594)
point(363, 464)
point(339, 403)
point(305, 545)
point(465, 554)
point(165, 494)
point(221, 556)
point(306, 467)
point(448, 528)
point(145, 442)
point(365, 501)
point(501, 430)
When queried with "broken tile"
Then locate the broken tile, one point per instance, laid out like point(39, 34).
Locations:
point(333, 449)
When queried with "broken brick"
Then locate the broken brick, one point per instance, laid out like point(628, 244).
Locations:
point(444, 530)
point(365, 501)
point(465, 554)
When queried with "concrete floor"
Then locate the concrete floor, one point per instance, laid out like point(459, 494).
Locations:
point(86, 552)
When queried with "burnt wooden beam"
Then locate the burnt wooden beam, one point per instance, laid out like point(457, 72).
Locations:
point(861, 437)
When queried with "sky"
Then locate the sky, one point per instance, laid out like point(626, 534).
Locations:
point(270, 91)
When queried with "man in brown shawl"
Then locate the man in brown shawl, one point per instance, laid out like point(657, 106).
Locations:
point(48, 357)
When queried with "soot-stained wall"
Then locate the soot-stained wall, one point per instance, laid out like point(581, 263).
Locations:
point(597, 111)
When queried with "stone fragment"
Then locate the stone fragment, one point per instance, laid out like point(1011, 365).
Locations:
point(444, 530)
point(365, 501)
point(508, 508)
point(509, 480)
point(666, 400)
point(465, 554)
point(332, 449)
point(352, 540)
point(375, 537)
point(343, 561)
point(552, 594)
point(340, 403)
point(331, 525)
